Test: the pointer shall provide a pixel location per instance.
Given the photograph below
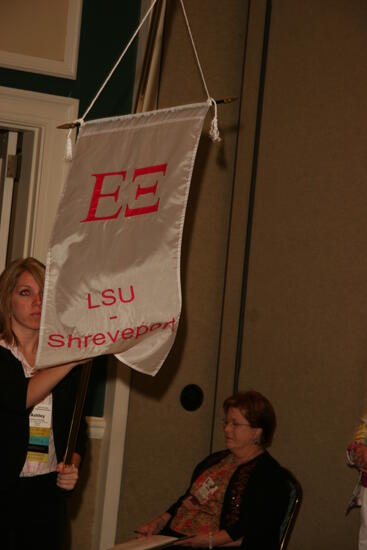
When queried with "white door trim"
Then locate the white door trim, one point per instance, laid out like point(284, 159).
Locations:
point(112, 455)
point(7, 199)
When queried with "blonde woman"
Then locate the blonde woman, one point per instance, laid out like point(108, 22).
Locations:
point(36, 409)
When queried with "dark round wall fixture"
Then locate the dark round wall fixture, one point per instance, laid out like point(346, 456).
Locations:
point(191, 397)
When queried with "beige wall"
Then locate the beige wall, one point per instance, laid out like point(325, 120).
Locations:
point(304, 341)
point(41, 35)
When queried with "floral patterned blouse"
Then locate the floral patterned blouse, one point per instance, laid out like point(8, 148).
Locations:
point(200, 512)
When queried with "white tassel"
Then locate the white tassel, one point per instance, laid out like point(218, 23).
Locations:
point(69, 146)
point(214, 132)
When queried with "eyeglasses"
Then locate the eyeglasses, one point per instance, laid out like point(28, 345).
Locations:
point(233, 424)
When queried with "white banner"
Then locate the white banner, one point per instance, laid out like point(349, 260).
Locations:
point(113, 265)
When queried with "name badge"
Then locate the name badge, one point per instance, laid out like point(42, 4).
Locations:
point(39, 431)
point(206, 489)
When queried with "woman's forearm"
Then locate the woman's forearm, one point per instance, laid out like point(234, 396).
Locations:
point(43, 382)
point(236, 542)
point(219, 538)
point(155, 525)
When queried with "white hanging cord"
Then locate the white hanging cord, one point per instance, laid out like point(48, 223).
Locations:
point(118, 61)
point(213, 132)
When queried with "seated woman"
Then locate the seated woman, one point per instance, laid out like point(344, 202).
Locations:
point(238, 496)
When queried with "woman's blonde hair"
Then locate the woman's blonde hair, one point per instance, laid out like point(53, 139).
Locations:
point(8, 280)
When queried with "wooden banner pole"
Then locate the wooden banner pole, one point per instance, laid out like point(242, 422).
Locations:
point(78, 411)
point(151, 45)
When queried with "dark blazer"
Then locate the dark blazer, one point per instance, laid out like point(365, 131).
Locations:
point(15, 417)
point(254, 505)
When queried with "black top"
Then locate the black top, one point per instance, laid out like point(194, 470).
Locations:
point(15, 417)
point(254, 504)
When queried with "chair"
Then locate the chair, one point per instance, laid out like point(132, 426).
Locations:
point(295, 499)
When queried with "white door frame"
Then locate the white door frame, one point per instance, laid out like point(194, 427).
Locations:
point(7, 198)
point(112, 455)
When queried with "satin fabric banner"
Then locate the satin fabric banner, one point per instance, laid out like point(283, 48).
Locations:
point(113, 265)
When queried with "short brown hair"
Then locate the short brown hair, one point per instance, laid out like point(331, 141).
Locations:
point(8, 280)
point(257, 410)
